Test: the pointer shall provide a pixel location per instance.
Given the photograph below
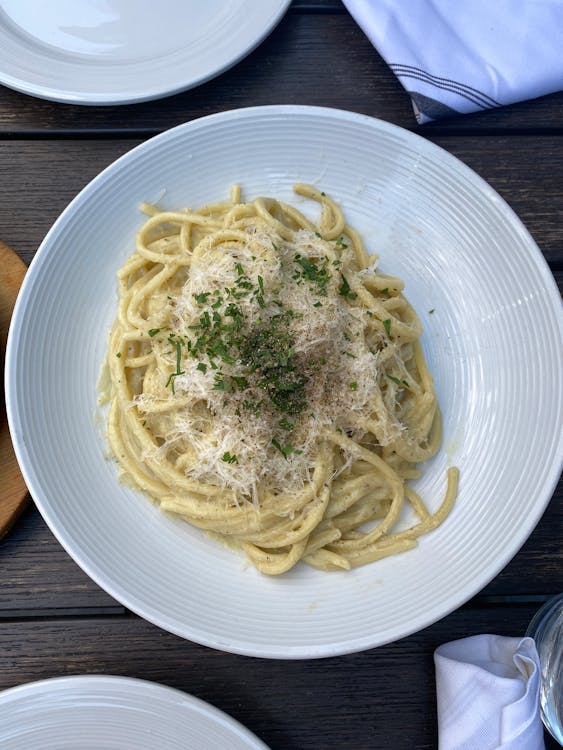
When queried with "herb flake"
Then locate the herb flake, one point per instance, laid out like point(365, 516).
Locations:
point(344, 289)
point(285, 450)
point(230, 458)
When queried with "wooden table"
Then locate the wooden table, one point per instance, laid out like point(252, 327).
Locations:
point(53, 619)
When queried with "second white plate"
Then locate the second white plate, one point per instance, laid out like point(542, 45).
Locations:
point(99, 712)
point(125, 51)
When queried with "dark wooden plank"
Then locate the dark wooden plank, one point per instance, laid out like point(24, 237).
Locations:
point(43, 176)
point(313, 57)
point(40, 178)
point(37, 574)
point(527, 171)
point(538, 567)
point(379, 699)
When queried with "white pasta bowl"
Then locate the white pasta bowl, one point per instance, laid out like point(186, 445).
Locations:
point(493, 343)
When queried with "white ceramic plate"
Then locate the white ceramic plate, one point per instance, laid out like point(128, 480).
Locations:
point(123, 51)
point(493, 344)
point(98, 712)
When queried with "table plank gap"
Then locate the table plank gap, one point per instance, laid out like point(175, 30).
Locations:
point(482, 601)
point(317, 6)
point(432, 130)
point(56, 613)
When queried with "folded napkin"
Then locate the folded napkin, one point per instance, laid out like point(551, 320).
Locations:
point(455, 57)
point(488, 694)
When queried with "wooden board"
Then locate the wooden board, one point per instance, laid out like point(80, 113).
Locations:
point(13, 492)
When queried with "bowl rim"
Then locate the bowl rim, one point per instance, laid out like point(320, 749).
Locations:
point(243, 647)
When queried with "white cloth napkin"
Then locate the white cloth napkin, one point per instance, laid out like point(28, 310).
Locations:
point(456, 56)
point(488, 694)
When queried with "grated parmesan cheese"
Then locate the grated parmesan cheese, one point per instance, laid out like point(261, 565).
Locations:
point(330, 350)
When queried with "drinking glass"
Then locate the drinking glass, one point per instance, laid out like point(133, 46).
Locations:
point(546, 628)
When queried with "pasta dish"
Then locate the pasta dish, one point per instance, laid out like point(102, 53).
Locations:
point(268, 386)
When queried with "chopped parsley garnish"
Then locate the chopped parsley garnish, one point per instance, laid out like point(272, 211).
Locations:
point(154, 331)
point(398, 381)
point(243, 282)
point(178, 344)
point(118, 355)
point(202, 298)
point(430, 312)
point(219, 349)
point(221, 384)
point(285, 450)
point(259, 293)
point(387, 326)
point(269, 352)
point(233, 311)
point(385, 291)
point(230, 458)
point(344, 289)
point(178, 357)
point(285, 424)
point(253, 406)
point(316, 274)
point(319, 235)
point(262, 346)
point(353, 386)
